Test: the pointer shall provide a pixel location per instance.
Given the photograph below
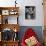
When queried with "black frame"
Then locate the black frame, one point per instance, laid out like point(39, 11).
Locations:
point(7, 35)
point(30, 12)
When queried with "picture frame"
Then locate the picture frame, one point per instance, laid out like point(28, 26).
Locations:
point(10, 19)
point(6, 34)
point(5, 20)
point(13, 20)
point(5, 12)
point(13, 12)
point(9, 34)
point(30, 12)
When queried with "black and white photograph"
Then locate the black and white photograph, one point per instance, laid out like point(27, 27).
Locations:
point(30, 12)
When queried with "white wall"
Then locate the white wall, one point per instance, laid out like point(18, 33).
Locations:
point(38, 21)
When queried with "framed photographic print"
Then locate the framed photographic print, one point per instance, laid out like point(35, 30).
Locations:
point(5, 20)
point(13, 20)
point(10, 19)
point(30, 12)
point(5, 12)
point(7, 34)
point(13, 12)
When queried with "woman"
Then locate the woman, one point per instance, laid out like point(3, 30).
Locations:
point(30, 38)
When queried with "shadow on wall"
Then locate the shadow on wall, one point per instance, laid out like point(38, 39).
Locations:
point(37, 29)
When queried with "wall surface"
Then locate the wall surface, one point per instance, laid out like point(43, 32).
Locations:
point(38, 21)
